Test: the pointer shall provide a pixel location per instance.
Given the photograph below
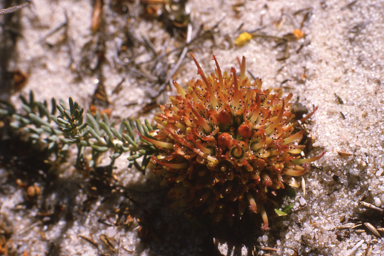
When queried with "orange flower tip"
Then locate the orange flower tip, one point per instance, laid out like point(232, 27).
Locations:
point(264, 216)
point(236, 92)
point(179, 89)
point(276, 120)
point(242, 68)
point(289, 97)
point(175, 166)
point(159, 144)
point(238, 61)
point(225, 120)
point(309, 115)
point(221, 81)
point(245, 131)
point(206, 150)
point(252, 203)
point(233, 70)
point(267, 180)
point(201, 121)
point(212, 161)
point(217, 64)
point(224, 140)
point(296, 136)
point(308, 160)
point(295, 151)
point(209, 88)
point(194, 59)
point(290, 172)
point(247, 165)
point(293, 183)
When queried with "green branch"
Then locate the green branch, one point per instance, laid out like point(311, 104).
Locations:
point(69, 127)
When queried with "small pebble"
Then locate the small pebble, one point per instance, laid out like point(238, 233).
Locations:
point(302, 201)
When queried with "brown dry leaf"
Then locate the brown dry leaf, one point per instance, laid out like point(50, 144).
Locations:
point(344, 154)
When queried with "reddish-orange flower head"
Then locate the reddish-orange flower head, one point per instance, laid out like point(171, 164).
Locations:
point(224, 143)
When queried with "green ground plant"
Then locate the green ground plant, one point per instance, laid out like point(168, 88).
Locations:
point(64, 125)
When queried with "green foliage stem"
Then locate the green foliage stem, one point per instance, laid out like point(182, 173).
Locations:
point(69, 127)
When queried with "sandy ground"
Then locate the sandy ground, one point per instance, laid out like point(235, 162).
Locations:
point(337, 65)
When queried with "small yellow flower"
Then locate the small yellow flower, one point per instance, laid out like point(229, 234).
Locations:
point(298, 33)
point(243, 38)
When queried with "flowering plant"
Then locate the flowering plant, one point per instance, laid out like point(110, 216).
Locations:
point(224, 144)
